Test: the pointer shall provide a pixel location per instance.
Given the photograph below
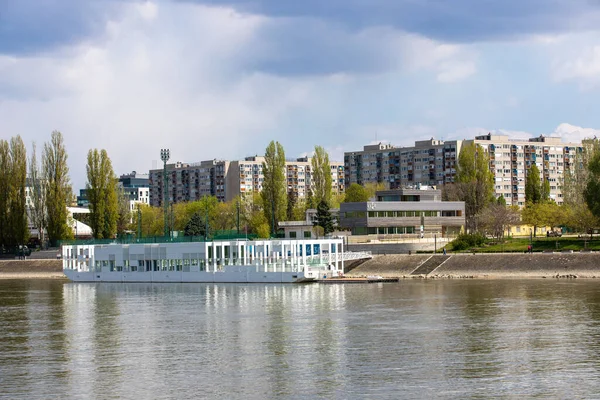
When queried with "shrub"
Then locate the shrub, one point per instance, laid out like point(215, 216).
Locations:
point(466, 241)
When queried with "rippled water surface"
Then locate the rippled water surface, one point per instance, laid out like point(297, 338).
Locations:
point(413, 339)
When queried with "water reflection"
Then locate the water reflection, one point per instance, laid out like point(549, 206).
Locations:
point(415, 339)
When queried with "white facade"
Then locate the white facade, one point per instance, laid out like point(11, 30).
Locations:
point(268, 261)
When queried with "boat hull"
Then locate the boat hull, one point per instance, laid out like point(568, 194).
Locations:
point(192, 277)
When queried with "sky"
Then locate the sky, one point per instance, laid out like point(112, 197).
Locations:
point(222, 78)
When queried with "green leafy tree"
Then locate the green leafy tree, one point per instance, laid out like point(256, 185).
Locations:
point(152, 220)
point(577, 175)
point(533, 188)
point(321, 175)
point(37, 193)
point(546, 190)
point(195, 226)
point(17, 203)
point(372, 188)
point(356, 194)
point(324, 219)
point(55, 172)
point(102, 194)
point(292, 200)
point(592, 190)
point(501, 200)
point(5, 190)
point(274, 191)
point(474, 182)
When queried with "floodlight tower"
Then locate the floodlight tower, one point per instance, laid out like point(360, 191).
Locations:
point(165, 154)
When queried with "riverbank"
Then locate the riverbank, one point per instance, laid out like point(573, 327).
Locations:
point(479, 265)
point(482, 266)
point(31, 269)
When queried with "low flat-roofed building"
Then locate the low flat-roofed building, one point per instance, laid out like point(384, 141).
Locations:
point(404, 212)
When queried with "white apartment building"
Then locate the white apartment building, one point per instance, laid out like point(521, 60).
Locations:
point(510, 160)
point(228, 179)
point(433, 163)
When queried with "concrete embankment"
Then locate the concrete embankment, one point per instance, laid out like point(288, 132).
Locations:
point(507, 265)
point(31, 269)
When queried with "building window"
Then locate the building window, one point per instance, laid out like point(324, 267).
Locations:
point(292, 235)
point(307, 234)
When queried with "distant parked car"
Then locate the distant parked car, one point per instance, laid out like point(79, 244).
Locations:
point(554, 234)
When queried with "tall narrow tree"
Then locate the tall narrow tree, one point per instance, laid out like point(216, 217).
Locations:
point(56, 175)
point(101, 189)
point(474, 182)
point(37, 195)
point(5, 164)
point(17, 203)
point(274, 192)
point(321, 176)
point(533, 188)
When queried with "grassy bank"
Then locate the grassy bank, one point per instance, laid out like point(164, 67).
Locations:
point(519, 245)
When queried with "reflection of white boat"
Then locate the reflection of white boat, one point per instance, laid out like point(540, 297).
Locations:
point(257, 261)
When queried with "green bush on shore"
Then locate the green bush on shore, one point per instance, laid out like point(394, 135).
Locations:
point(466, 241)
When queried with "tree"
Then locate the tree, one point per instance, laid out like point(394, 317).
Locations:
point(102, 194)
point(576, 176)
point(55, 172)
point(533, 189)
point(533, 214)
point(5, 189)
point(321, 175)
point(356, 194)
point(18, 174)
point(474, 182)
point(496, 218)
point(545, 190)
point(324, 218)
point(124, 214)
point(274, 192)
point(292, 199)
point(195, 226)
point(372, 188)
point(37, 194)
point(501, 201)
point(592, 189)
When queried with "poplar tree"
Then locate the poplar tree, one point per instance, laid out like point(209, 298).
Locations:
point(101, 190)
point(533, 189)
point(17, 201)
point(274, 191)
point(4, 191)
point(37, 195)
point(474, 182)
point(321, 176)
point(55, 172)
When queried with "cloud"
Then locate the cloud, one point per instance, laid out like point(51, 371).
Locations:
point(200, 80)
point(459, 21)
point(581, 64)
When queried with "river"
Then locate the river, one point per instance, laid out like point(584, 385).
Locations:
point(413, 339)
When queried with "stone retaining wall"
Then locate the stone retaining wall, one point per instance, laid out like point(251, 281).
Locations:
point(18, 269)
point(505, 265)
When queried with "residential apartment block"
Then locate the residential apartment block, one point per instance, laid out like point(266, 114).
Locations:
point(228, 179)
point(511, 159)
point(428, 163)
point(433, 163)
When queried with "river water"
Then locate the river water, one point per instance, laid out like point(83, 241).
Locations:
point(412, 339)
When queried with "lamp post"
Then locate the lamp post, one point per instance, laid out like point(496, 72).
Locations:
point(165, 154)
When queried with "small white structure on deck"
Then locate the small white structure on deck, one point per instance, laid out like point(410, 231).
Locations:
point(218, 261)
